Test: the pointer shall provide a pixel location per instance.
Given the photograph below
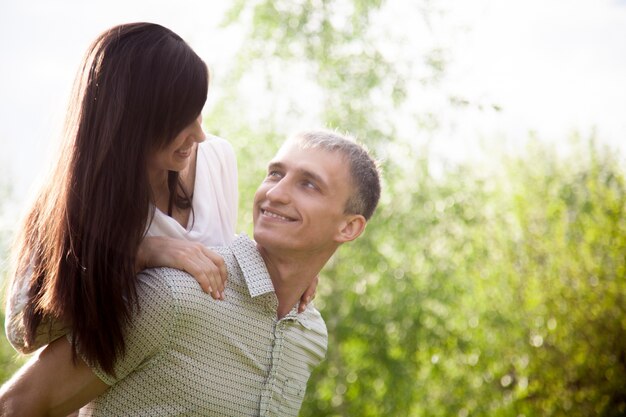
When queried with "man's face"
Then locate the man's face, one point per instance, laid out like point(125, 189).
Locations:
point(300, 203)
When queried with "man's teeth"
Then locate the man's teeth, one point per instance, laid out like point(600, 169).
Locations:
point(274, 215)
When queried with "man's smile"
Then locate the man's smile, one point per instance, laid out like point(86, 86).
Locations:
point(276, 215)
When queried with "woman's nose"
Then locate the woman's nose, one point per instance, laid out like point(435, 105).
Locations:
point(200, 136)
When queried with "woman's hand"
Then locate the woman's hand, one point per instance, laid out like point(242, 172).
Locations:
point(308, 295)
point(206, 266)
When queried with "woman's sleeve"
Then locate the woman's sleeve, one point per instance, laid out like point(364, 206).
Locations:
point(230, 183)
point(17, 297)
point(222, 165)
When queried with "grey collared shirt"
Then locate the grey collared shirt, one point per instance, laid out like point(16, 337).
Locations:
point(188, 354)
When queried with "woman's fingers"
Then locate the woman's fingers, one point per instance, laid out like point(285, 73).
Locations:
point(218, 261)
point(309, 294)
point(206, 266)
point(191, 266)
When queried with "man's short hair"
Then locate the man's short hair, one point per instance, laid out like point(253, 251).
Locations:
point(364, 170)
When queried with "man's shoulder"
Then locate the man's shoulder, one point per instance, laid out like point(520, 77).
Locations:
point(241, 250)
point(243, 258)
point(176, 284)
point(243, 262)
point(161, 279)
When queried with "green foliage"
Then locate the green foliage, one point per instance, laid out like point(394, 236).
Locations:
point(492, 292)
point(571, 252)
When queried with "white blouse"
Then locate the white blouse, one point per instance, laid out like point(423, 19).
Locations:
point(214, 202)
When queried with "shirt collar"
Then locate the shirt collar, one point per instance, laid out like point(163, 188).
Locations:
point(252, 266)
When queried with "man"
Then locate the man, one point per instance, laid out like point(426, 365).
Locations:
point(250, 354)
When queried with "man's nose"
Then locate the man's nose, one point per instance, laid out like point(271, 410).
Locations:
point(279, 192)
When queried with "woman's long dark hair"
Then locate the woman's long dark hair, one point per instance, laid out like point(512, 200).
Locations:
point(139, 85)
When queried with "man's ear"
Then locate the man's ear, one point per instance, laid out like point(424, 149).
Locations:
point(351, 228)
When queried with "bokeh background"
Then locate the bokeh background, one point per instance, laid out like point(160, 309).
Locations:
point(491, 281)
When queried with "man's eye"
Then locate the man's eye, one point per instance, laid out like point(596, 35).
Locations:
point(274, 174)
point(309, 184)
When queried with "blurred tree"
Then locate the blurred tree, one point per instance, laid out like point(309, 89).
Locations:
point(475, 290)
point(570, 255)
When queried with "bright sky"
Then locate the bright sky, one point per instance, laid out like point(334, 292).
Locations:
point(553, 66)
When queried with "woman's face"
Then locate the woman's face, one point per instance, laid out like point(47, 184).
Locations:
point(177, 154)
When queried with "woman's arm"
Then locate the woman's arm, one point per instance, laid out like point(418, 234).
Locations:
point(206, 266)
point(17, 298)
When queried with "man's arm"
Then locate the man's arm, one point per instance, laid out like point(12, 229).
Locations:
point(50, 384)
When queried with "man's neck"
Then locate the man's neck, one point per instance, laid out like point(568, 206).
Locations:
point(291, 276)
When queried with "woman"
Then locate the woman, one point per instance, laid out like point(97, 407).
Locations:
point(132, 189)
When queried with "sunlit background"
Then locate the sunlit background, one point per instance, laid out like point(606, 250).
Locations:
point(492, 279)
point(552, 67)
